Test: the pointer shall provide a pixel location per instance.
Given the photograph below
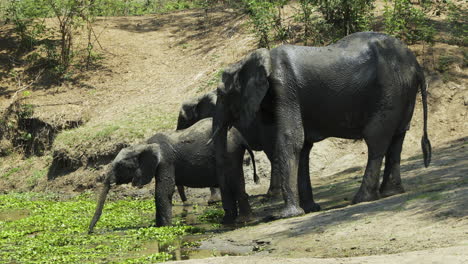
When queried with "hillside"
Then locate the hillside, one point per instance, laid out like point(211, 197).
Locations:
point(152, 63)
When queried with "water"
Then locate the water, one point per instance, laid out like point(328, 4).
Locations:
point(186, 247)
point(13, 215)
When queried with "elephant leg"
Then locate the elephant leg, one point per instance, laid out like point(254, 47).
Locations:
point(181, 190)
point(377, 139)
point(165, 185)
point(289, 142)
point(391, 183)
point(215, 195)
point(229, 205)
point(305, 188)
point(274, 191)
point(370, 183)
point(242, 197)
point(228, 195)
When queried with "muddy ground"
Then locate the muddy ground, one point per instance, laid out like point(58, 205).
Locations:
point(427, 224)
point(153, 63)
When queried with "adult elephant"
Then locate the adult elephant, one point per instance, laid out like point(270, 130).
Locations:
point(259, 135)
point(182, 158)
point(362, 87)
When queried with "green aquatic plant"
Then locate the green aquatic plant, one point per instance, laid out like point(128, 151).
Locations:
point(53, 229)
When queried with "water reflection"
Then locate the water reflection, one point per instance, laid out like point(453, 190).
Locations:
point(187, 247)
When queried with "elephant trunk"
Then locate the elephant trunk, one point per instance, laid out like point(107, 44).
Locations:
point(219, 136)
point(100, 204)
point(181, 122)
point(252, 157)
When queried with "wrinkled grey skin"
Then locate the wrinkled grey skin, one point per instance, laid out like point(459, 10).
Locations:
point(182, 158)
point(191, 112)
point(259, 135)
point(362, 87)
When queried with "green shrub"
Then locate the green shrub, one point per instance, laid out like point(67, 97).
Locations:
point(27, 18)
point(314, 27)
point(53, 47)
point(458, 20)
point(404, 21)
point(346, 16)
point(263, 18)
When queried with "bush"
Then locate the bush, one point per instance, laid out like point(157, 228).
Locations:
point(262, 16)
point(315, 28)
point(404, 21)
point(346, 16)
point(27, 18)
point(54, 46)
point(457, 18)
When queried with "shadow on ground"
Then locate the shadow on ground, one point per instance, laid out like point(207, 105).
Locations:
point(435, 193)
point(192, 29)
point(440, 189)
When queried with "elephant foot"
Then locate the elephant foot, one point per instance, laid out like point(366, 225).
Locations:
point(242, 219)
point(228, 219)
point(275, 193)
point(365, 196)
point(214, 199)
point(291, 211)
point(310, 207)
point(215, 196)
point(391, 189)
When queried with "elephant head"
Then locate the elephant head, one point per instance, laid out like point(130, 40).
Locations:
point(135, 164)
point(243, 87)
point(196, 109)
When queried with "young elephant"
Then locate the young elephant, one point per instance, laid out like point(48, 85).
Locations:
point(192, 111)
point(182, 158)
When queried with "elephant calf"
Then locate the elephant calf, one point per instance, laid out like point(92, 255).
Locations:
point(185, 158)
point(192, 111)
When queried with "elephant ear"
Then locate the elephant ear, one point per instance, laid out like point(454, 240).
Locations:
point(149, 160)
point(253, 79)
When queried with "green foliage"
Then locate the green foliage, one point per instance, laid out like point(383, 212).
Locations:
point(263, 18)
point(183, 4)
point(10, 172)
point(27, 18)
point(444, 62)
point(305, 16)
point(457, 16)
point(315, 28)
point(122, 7)
point(212, 82)
point(346, 16)
point(212, 215)
point(153, 258)
point(53, 47)
point(406, 22)
point(338, 18)
point(443, 66)
point(136, 7)
point(47, 229)
point(128, 128)
point(26, 111)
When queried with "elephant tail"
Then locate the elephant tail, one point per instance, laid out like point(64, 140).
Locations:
point(425, 143)
point(252, 156)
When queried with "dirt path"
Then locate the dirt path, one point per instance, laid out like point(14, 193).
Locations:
point(452, 255)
